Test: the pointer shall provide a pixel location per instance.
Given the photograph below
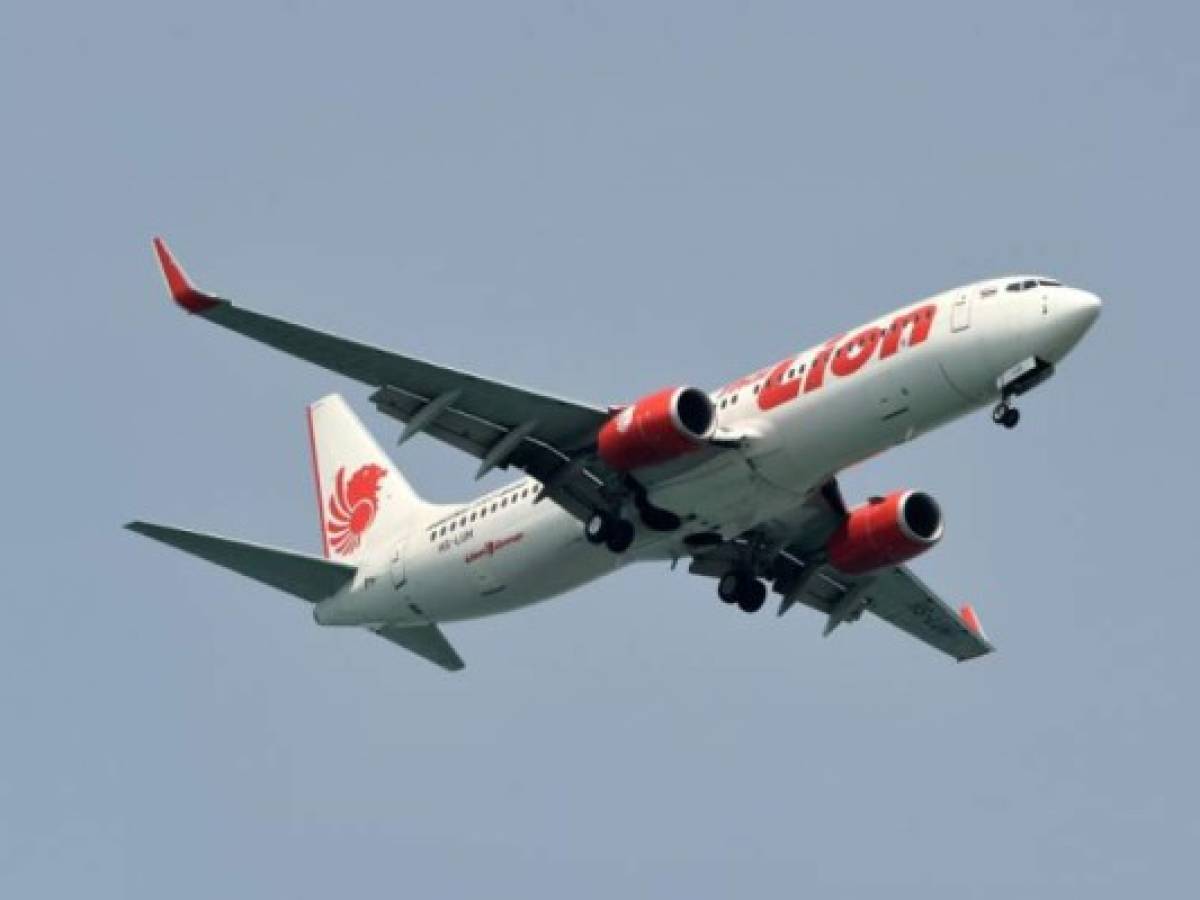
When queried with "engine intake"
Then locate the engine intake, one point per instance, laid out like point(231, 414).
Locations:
point(886, 531)
point(657, 429)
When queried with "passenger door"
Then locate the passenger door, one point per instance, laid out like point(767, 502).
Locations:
point(960, 312)
point(399, 574)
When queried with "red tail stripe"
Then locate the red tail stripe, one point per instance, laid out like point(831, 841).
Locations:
point(312, 450)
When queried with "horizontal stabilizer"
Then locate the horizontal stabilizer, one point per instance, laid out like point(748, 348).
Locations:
point(427, 641)
point(308, 577)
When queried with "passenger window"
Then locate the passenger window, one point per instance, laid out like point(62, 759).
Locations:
point(452, 526)
point(432, 536)
point(472, 517)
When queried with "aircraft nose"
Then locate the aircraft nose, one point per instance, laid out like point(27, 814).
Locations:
point(1082, 309)
point(1071, 313)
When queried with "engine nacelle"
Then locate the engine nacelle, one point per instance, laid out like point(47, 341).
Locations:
point(657, 429)
point(886, 531)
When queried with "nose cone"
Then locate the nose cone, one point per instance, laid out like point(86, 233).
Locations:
point(1083, 309)
point(1071, 313)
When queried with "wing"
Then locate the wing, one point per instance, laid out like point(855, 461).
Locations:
point(502, 425)
point(897, 596)
point(789, 551)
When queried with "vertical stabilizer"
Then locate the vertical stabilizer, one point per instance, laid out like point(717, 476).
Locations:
point(362, 496)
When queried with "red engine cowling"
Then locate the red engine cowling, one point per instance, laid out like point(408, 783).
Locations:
point(886, 531)
point(657, 429)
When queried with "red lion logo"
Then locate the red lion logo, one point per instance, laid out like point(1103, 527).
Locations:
point(352, 507)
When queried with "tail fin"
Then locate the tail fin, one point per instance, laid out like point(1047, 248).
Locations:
point(361, 494)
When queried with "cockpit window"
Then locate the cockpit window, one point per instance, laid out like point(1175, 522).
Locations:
point(1031, 283)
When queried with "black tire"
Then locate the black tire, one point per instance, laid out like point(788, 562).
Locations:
point(620, 536)
point(754, 595)
point(729, 587)
point(1011, 418)
point(597, 528)
point(999, 411)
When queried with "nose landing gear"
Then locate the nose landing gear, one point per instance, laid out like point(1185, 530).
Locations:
point(1006, 415)
point(1018, 380)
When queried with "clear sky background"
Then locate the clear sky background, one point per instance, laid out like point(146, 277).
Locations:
point(596, 199)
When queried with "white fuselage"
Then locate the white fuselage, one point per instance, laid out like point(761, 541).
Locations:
point(804, 419)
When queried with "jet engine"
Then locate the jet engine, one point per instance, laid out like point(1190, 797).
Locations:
point(657, 428)
point(886, 531)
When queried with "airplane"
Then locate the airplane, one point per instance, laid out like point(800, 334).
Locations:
point(740, 482)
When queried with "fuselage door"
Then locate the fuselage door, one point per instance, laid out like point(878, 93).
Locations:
point(960, 312)
point(399, 576)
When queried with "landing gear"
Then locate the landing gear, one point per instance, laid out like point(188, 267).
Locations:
point(743, 589)
point(1006, 415)
point(754, 598)
point(1016, 381)
point(729, 587)
point(616, 534)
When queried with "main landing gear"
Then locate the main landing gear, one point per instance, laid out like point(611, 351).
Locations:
point(615, 533)
point(743, 589)
point(1006, 415)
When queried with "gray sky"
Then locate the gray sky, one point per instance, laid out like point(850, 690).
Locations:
point(595, 199)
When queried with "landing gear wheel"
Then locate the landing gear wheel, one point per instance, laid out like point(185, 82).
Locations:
point(620, 536)
point(597, 528)
point(729, 587)
point(754, 595)
point(1006, 415)
point(743, 589)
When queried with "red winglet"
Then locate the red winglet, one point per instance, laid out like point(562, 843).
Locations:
point(970, 619)
point(182, 290)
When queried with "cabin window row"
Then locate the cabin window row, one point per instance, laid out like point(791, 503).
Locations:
point(440, 531)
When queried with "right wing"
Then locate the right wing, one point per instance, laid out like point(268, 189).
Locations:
point(897, 596)
point(549, 437)
point(794, 559)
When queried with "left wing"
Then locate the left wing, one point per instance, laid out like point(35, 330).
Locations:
point(501, 424)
